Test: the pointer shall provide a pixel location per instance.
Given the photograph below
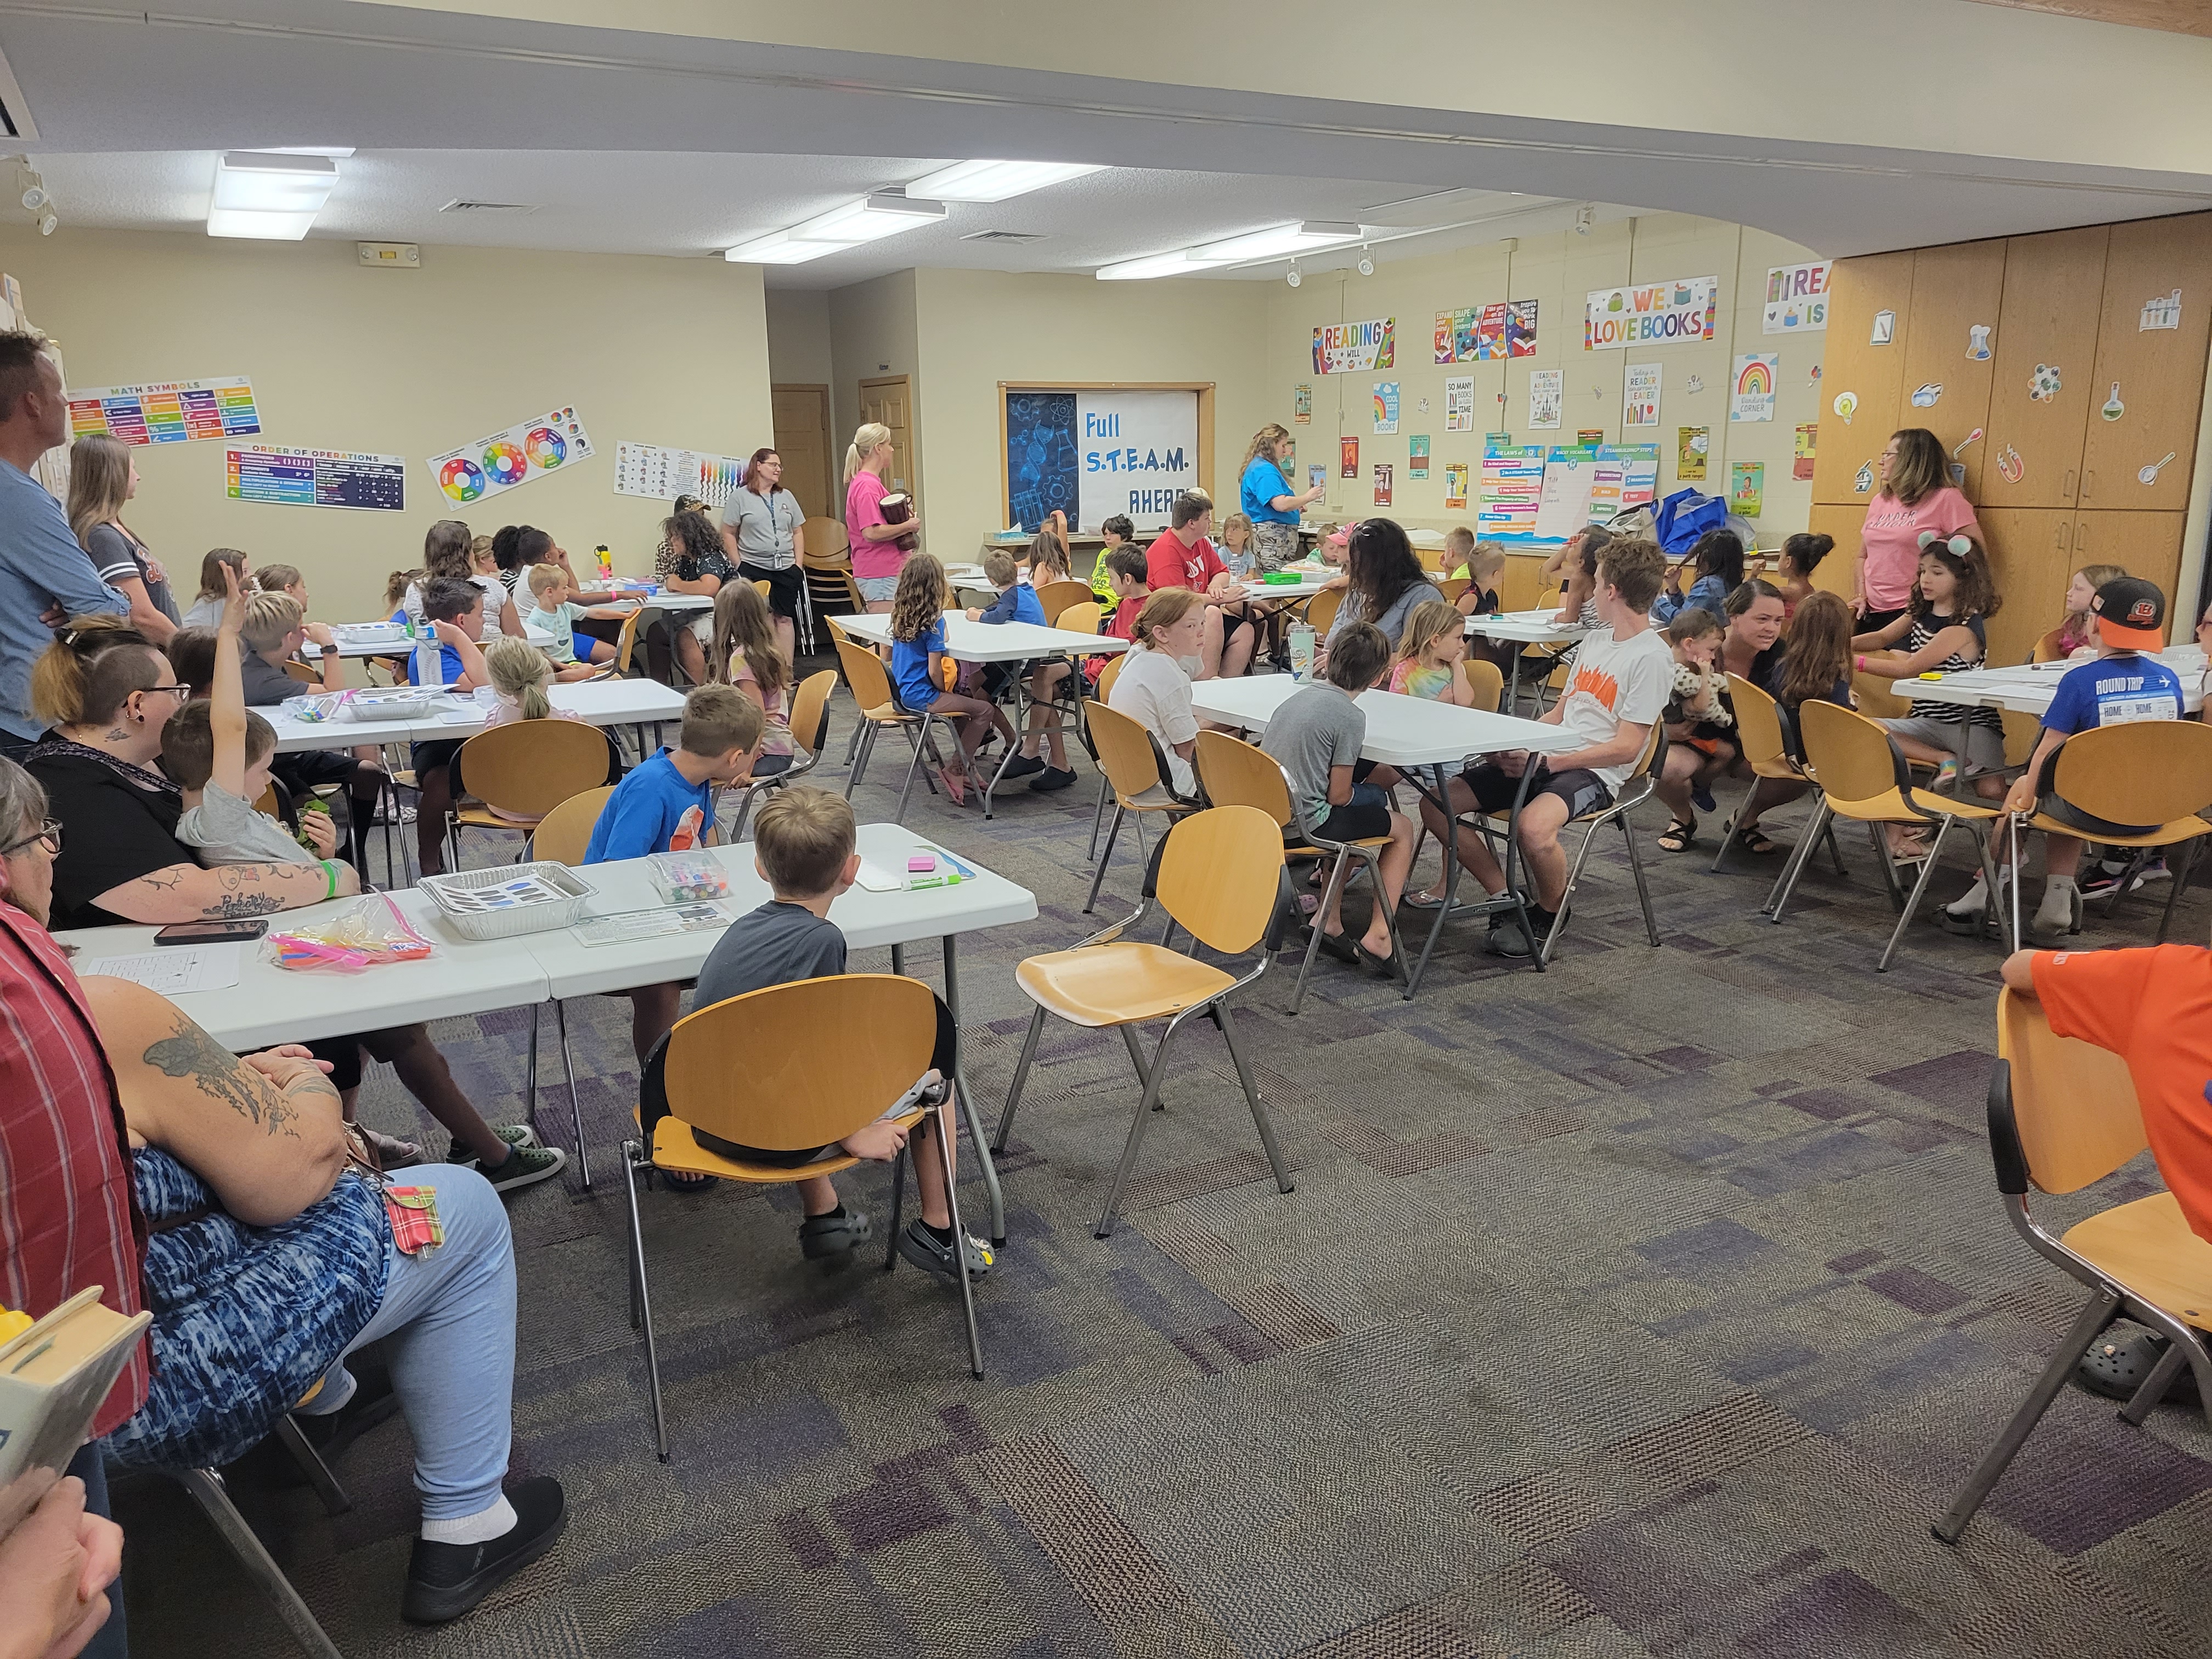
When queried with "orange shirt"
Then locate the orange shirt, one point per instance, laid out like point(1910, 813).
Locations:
point(2153, 1009)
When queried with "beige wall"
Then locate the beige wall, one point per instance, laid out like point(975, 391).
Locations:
point(799, 338)
point(654, 350)
point(1557, 271)
point(872, 332)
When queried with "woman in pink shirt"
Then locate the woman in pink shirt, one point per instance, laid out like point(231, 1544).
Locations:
point(877, 556)
point(1915, 495)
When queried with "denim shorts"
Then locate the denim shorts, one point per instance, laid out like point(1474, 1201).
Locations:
point(877, 589)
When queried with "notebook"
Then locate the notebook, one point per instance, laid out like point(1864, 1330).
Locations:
point(54, 1373)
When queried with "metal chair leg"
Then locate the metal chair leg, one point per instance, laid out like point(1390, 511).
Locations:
point(632, 1157)
point(1786, 882)
point(1912, 904)
point(1888, 863)
point(2155, 1386)
point(310, 1461)
point(530, 1117)
point(1261, 1119)
point(1750, 797)
point(992, 1190)
point(1143, 1073)
point(912, 766)
point(208, 1491)
point(2093, 1318)
point(1021, 1077)
point(576, 1104)
point(2181, 881)
point(1099, 875)
point(898, 1209)
point(1643, 886)
point(1574, 879)
point(1098, 815)
point(1313, 942)
point(1137, 1128)
point(864, 743)
point(943, 1136)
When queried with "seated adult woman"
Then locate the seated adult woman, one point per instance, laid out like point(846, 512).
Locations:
point(1387, 581)
point(1748, 650)
point(1153, 688)
point(107, 693)
point(269, 1256)
point(691, 559)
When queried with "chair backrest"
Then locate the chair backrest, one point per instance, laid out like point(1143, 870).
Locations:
point(1850, 757)
point(1322, 612)
point(2073, 1104)
point(1056, 597)
point(2046, 648)
point(563, 834)
point(2145, 772)
point(531, 766)
point(1236, 774)
point(836, 629)
point(302, 673)
point(1452, 586)
point(1125, 750)
point(1109, 674)
point(1221, 874)
point(721, 1077)
point(864, 672)
point(761, 588)
point(1079, 618)
point(810, 710)
point(1485, 680)
point(1431, 558)
point(1757, 723)
point(826, 540)
point(626, 641)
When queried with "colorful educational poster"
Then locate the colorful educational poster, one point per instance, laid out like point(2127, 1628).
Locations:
point(1547, 397)
point(1796, 299)
point(1589, 437)
point(1512, 485)
point(1290, 457)
point(1302, 405)
point(1458, 403)
point(1751, 396)
point(1690, 445)
point(1747, 487)
point(1800, 463)
point(1627, 476)
point(495, 464)
point(1386, 407)
point(1520, 328)
point(1505, 328)
point(1658, 313)
point(1381, 484)
point(317, 478)
point(1416, 455)
point(663, 474)
point(166, 412)
point(1639, 397)
point(1455, 487)
point(1563, 506)
point(1317, 475)
point(1351, 348)
point(1348, 458)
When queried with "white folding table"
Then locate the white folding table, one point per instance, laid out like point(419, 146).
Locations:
point(357, 641)
point(2028, 688)
point(1416, 735)
point(1525, 627)
point(599, 702)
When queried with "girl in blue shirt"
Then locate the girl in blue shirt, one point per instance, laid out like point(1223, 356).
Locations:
point(1717, 561)
point(1264, 492)
point(918, 670)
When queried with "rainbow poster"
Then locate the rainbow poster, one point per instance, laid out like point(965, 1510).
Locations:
point(1752, 396)
point(495, 464)
point(166, 412)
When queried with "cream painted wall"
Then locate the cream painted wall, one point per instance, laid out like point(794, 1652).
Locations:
point(413, 364)
point(798, 337)
point(872, 331)
point(1557, 273)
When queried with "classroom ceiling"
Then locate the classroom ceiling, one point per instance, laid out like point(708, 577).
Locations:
point(698, 125)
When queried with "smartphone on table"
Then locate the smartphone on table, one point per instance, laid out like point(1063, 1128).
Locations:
point(211, 932)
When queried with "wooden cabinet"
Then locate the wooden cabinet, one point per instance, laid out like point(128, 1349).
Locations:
point(1841, 520)
point(1955, 290)
point(1873, 375)
point(2034, 552)
point(2149, 383)
point(2146, 545)
point(2052, 285)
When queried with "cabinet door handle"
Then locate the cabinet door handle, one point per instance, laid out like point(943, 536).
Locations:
point(2066, 487)
point(2081, 538)
point(2063, 534)
point(2088, 483)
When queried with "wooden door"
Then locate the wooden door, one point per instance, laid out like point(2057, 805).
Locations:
point(2053, 283)
point(2146, 545)
point(1873, 375)
point(889, 402)
point(2032, 556)
point(1955, 290)
point(801, 415)
point(2159, 373)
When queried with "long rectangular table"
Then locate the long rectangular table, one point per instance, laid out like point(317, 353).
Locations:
point(600, 703)
point(2028, 688)
point(1416, 735)
point(1540, 627)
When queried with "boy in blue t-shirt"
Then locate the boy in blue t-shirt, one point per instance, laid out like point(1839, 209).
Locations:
point(667, 805)
point(1018, 603)
point(2122, 686)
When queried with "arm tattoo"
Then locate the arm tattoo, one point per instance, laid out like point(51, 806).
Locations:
point(237, 906)
point(189, 1052)
point(165, 880)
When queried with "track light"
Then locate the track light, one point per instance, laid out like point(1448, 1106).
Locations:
point(34, 195)
point(47, 221)
point(1294, 278)
point(1366, 263)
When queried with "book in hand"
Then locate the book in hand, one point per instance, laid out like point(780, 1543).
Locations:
point(54, 1374)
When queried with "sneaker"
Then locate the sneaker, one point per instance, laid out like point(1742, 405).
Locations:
point(2154, 871)
point(445, 1581)
point(821, 1237)
point(1051, 778)
point(1021, 766)
point(514, 1134)
point(1508, 938)
point(1947, 774)
point(2102, 883)
point(920, 1246)
point(1701, 797)
point(384, 815)
point(525, 1166)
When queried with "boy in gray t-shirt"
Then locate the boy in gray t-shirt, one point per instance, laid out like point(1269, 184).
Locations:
point(1315, 736)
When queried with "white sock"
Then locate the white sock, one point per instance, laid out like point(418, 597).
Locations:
point(1974, 901)
point(479, 1528)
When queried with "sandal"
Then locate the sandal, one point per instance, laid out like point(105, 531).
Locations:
point(679, 1182)
point(956, 784)
point(1754, 840)
point(1679, 833)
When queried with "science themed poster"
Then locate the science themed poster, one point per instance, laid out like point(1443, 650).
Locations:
point(506, 460)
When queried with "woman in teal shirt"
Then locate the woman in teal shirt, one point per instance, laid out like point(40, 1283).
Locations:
point(1268, 501)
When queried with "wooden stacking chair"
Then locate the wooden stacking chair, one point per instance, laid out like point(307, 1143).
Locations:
point(1055, 596)
point(1220, 879)
point(527, 768)
point(1764, 742)
point(1081, 617)
point(1132, 768)
point(879, 709)
point(1485, 680)
point(715, 1074)
point(2062, 1115)
point(1321, 609)
point(810, 729)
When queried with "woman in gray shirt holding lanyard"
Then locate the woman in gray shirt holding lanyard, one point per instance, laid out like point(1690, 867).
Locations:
point(763, 529)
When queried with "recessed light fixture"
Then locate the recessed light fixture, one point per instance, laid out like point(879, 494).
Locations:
point(886, 213)
point(264, 194)
point(994, 181)
point(1251, 248)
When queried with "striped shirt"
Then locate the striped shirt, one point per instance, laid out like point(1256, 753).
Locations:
point(69, 1218)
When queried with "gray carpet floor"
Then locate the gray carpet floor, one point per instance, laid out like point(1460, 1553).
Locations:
point(1653, 1305)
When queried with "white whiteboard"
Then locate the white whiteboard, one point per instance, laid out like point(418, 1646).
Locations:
point(1137, 451)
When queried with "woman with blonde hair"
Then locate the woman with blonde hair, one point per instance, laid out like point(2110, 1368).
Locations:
point(878, 555)
point(1264, 492)
point(747, 652)
point(102, 477)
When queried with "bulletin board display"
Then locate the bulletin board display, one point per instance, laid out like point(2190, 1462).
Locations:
point(1098, 449)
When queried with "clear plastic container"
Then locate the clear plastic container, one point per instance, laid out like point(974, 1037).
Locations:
point(689, 877)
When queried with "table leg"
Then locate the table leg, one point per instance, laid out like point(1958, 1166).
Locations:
point(982, 1147)
point(1443, 798)
point(1513, 696)
point(1513, 858)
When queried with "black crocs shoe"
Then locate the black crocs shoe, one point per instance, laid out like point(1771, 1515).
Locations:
point(2116, 1366)
point(445, 1581)
point(823, 1236)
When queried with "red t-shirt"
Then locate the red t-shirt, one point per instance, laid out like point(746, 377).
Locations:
point(1169, 563)
point(1122, 625)
point(2153, 1009)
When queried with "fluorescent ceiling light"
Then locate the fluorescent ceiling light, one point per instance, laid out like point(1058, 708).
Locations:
point(1178, 264)
point(261, 194)
point(1274, 244)
point(994, 181)
point(885, 214)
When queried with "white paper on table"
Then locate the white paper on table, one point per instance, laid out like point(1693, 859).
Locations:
point(874, 878)
point(175, 970)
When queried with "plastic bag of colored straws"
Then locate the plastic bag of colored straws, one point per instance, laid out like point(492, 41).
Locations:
point(366, 934)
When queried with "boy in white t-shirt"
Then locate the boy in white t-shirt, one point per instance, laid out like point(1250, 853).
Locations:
point(1624, 671)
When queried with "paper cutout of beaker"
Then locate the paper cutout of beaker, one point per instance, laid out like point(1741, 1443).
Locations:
point(1977, 342)
point(2113, 408)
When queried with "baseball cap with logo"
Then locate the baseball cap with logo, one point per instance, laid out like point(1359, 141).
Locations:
point(2131, 614)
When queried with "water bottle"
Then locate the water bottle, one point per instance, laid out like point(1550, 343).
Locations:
point(429, 661)
point(606, 564)
point(1302, 650)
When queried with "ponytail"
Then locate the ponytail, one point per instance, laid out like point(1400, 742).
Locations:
point(871, 436)
point(90, 671)
point(519, 671)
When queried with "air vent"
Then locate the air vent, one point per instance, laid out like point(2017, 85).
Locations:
point(1003, 236)
point(461, 204)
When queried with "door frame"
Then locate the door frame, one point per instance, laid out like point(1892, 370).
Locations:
point(830, 458)
point(913, 428)
point(1203, 388)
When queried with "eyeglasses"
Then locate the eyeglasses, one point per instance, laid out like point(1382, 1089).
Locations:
point(182, 688)
point(48, 833)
